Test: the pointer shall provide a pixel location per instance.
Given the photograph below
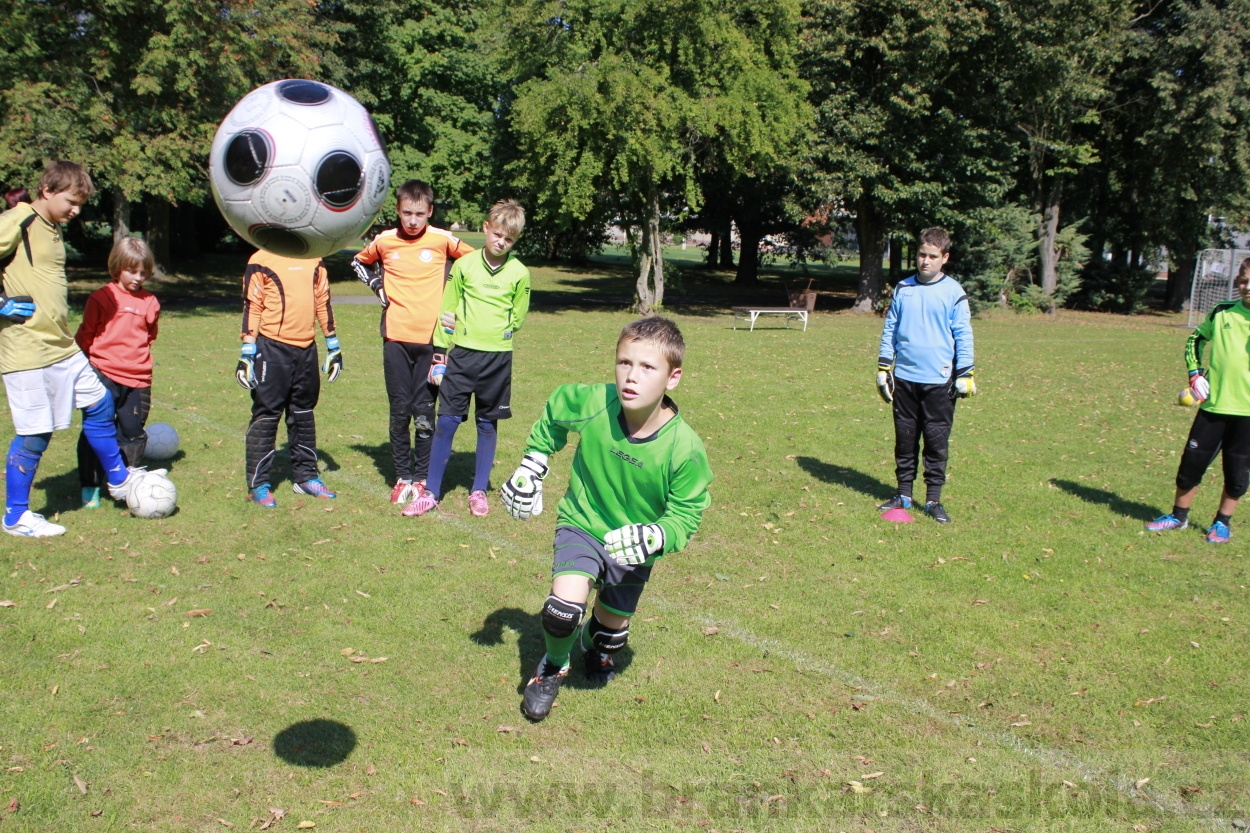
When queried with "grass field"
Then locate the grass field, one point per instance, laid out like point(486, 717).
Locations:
point(1039, 664)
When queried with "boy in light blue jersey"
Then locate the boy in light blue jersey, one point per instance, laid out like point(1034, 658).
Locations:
point(924, 364)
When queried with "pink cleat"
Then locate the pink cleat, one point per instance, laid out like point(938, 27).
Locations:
point(425, 502)
point(478, 505)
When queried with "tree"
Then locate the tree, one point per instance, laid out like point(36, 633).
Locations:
point(134, 89)
point(615, 101)
point(906, 117)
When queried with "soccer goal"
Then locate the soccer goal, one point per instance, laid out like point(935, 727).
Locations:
point(1213, 281)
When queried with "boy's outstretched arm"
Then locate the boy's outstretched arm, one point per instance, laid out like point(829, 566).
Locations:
point(521, 493)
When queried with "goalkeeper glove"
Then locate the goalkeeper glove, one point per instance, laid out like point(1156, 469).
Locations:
point(438, 367)
point(1199, 385)
point(522, 493)
point(17, 309)
point(333, 365)
point(633, 544)
point(965, 385)
point(448, 320)
point(245, 371)
point(885, 380)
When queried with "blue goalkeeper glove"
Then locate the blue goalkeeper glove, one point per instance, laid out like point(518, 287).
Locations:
point(333, 365)
point(633, 544)
point(17, 309)
point(244, 371)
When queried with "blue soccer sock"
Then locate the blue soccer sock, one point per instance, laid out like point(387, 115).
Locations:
point(19, 473)
point(98, 426)
point(440, 453)
point(487, 440)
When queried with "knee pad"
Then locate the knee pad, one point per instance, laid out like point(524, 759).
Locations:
point(424, 427)
point(561, 618)
point(25, 451)
point(603, 639)
point(35, 443)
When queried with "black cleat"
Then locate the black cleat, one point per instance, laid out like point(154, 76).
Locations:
point(541, 691)
point(600, 667)
point(935, 511)
point(896, 502)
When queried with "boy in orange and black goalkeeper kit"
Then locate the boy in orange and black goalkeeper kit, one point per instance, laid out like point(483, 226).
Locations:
point(282, 297)
point(406, 268)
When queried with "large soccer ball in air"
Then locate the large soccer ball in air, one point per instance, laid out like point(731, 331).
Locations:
point(154, 496)
point(162, 442)
point(298, 168)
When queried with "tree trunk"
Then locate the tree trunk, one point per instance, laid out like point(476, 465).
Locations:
point(1046, 234)
point(749, 236)
point(650, 287)
point(121, 215)
point(896, 260)
point(713, 250)
point(158, 232)
point(870, 229)
point(1180, 279)
point(727, 245)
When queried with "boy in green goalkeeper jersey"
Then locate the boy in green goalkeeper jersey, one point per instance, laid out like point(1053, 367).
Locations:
point(637, 491)
point(1222, 423)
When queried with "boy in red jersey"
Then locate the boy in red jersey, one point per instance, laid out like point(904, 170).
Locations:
point(406, 267)
point(118, 327)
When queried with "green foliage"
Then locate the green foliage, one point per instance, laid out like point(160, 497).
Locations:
point(1001, 262)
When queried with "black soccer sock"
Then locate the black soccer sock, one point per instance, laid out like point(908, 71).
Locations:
point(904, 489)
point(1220, 517)
point(934, 494)
point(1180, 514)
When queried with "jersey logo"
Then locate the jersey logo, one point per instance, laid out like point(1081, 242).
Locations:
point(394, 255)
point(426, 255)
point(634, 460)
point(1228, 325)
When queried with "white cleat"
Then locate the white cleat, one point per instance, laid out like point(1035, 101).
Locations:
point(133, 475)
point(34, 525)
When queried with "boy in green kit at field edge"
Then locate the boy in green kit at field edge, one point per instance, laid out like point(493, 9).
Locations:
point(637, 491)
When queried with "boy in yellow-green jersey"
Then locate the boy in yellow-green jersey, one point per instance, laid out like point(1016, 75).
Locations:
point(1223, 419)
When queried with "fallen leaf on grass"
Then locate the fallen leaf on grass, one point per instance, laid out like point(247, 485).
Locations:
point(710, 631)
point(15, 769)
point(871, 776)
point(504, 729)
point(1069, 784)
point(95, 814)
point(706, 747)
point(858, 788)
point(7, 603)
point(374, 660)
point(199, 611)
point(202, 647)
point(980, 601)
point(1140, 782)
point(80, 784)
point(460, 742)
point(170, 603)
point(371, 770)
point(51, 604)
point(347, 652)
point(306, 825)
point(330, 803)
point(1022, 723)
point(1078, 692)
point(224, 823)
point(1150, 702)
point(363, 593)
point(444, 795)
point(13, 806)
point(1191, 790)
point(240, 741)
point(418, 802)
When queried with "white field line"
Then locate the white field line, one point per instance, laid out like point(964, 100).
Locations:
point(1055, 759)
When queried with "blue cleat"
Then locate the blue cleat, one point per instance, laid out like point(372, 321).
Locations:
point(1219, 533)
point(896, 502)
point(90, 497)
point(314, 487)
point(1166, 523)
point(262, 495)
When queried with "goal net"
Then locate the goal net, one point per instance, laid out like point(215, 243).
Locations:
point(1213, 281)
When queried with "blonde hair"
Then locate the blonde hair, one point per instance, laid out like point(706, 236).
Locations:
point(131, 254)
point(66, 176)
point(661, 332)
point(507, 217)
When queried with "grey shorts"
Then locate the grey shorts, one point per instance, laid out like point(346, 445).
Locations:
point(577, 553)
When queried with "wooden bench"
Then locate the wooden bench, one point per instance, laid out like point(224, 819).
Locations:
point(752, 313)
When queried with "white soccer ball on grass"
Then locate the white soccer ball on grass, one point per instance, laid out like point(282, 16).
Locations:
point(154, 496)
point(299, 168)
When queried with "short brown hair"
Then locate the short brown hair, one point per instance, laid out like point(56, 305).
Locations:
point(507, 217)
point(660, 331)
point(415, 190)
point(131, 254)
point(66, 176)
point(936, 236)
point(1243, 272)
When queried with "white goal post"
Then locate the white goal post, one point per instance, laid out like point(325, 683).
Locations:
point(1213, 281)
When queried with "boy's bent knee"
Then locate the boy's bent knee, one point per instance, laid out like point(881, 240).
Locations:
point(29, 446)
point(560, 617)
point(605, 639)
point(100, 411)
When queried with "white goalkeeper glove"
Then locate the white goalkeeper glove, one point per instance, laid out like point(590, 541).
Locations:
point(522, 493)
point(885, 380)
point(245, 370)
point(634, 544)
point(965, 385)
point(333, 364)
point(1199, 385)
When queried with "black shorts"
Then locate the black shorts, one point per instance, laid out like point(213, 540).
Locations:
point(577, 553)
point(1209, 435)
point(484, 375)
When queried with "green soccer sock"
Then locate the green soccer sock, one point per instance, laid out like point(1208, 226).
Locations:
point(559, 647)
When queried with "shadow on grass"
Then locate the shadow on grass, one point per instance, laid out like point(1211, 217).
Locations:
point(1121, 506)
point(849, 478)
point(459, 468)
point(63, 493)
point(315, 743)
point(531, 647)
